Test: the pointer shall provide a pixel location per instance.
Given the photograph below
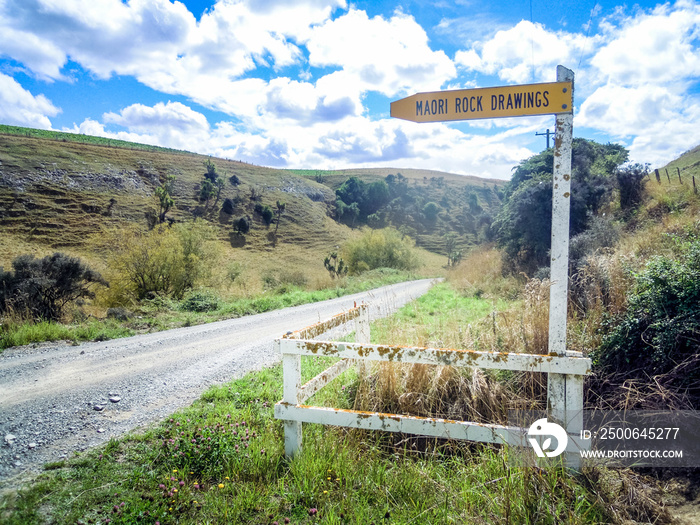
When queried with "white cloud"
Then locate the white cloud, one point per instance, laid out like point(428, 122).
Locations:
point(657, 48)
point(660, 123)
point(19, 107)
point(378, 54)
point(171, 116)
point(523, 51)
point(623, 112)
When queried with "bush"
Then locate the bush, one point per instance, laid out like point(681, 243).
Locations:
point(385, 248)
point(430, 211)
point(267, 214)
point(44, 287)
point(659, 331)
point(241, 226)
point(166, 260)
point(630, 181)
point(228, 206)
point(200, 302)
point(523, 224)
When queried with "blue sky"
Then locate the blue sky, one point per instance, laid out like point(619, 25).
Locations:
point(308, 83)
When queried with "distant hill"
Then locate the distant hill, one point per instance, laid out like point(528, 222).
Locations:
point(56, 189)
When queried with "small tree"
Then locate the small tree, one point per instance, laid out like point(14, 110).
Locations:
point(430, 211)
point(206, 192)
point(335, 265)
point(279, 210)
point(630, 181)
point(454, 255)
point(267, 214)
point(218, 187)
point(211, 175)
point(43, 287)
point(256, 193)
point(228, 206)
point(241, 226)
point(165, 199)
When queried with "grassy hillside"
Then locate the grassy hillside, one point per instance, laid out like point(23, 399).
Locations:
point(58, 189)
point(466, 204)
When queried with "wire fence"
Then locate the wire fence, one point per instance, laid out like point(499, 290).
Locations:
point(657, 173)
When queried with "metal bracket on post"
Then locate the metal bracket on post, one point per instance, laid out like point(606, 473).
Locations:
point(564, 392)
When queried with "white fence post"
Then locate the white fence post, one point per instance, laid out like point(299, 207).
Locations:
point(362, 334)
point(291, 373)
point(564, 392)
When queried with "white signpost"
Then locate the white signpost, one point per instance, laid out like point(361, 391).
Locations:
point(565, 370)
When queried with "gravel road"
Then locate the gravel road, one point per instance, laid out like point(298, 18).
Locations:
point(56, 399)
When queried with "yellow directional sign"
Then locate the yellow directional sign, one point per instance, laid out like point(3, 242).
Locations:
point(468, 104)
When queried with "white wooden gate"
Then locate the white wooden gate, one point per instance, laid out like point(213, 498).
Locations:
point(567, 410)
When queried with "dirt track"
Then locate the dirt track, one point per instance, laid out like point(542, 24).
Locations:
point(49, 393)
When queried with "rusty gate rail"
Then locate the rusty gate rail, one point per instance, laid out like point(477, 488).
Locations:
point(294, 412)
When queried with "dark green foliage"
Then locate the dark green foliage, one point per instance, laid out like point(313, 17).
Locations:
point(206, 191)
point(630, 181)
point(228, 206)
point(660, 331)
point(211, 174)
point(377, 195)
point(234, 180)
point(357, 200)
point(280, 208)
point(267, 214)
point(241, 226)
point(165, 199)
point(430, 211)
point(43, 287)
point(352, 190)
point(473, 203)
point(347, 213)
point(200, 302)
point(523, 225)
point(335, 265)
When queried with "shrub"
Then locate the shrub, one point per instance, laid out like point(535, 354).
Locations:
point(385, 248)
point(630, 181)
point(228, 206)
point(659, 331)
point(267, 214)
point(44, 287)
point(241, 226)
point(165, 260)
point(430, 211)
point(523, 224)
point(200, 302)
point(335, 265)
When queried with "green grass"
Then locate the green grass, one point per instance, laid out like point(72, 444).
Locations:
point(163, 314)
point(438, 318)
point(239, 474)
point(17, 334)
